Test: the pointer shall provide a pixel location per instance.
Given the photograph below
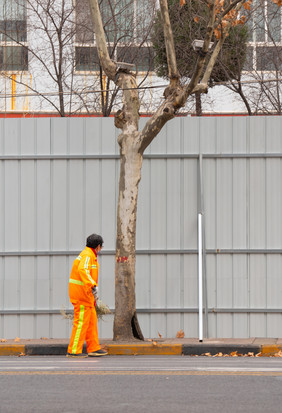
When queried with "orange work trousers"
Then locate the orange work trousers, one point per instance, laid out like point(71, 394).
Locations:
point(84, 329)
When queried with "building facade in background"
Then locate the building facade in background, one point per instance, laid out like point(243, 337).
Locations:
point(49, 62)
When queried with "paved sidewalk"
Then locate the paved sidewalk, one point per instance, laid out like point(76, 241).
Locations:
point(172, 346)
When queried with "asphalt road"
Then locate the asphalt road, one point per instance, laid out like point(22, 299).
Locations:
point(139, 384)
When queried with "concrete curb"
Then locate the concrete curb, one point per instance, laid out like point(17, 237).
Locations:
point(213, 349)
point(271, 350)
point(144, 349)
point(153, 348)
point(12, 350)
point(45, 350)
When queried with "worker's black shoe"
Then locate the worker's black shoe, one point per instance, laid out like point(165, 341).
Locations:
point(77, 356)
point(98, 353)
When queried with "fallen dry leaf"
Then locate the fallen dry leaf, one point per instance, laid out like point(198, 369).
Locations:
point(21, 355)
point(17, 339)
point(160, 335)
point(43, 338)
point(180, 334)
point(218, 355)
point(279, 354)
point(207, 354)
point(234, 354)
point(258, 355)
point(3, 340)
point(154, 343)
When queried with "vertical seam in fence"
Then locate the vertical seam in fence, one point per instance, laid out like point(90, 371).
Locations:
point(51, 220)
point(265, 161)
point(181, 214)
point(3, 260)
point(166, 232)
point(35, 285)
point(248, 227)
point(19, 260)
point(232, 229)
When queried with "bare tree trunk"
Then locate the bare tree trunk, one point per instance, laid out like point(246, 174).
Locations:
point(198, 104)
point(61, 99)
point(244, 99)
point(126, 326)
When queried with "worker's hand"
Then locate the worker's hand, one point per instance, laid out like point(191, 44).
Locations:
point(95, 293)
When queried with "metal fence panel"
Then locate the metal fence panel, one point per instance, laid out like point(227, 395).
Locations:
point(59, 182)
point(239, 203)
point(273, 205)
point(189, 204)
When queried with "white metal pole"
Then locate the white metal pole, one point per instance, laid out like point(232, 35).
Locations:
point(200, 272)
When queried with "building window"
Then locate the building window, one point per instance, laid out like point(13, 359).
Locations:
point(13, 58)
point(84, 27)
point(265, 27)
point(141, 56)
point(13, 36)
point(269, 58)
point(86, 59)
point(264, 22)
point(127, 26)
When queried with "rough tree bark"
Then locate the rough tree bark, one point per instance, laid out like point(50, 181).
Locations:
point(198, 99)
point(126, 324)
point(133, 142)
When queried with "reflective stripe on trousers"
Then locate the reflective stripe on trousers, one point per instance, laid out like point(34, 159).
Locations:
point(84, 329)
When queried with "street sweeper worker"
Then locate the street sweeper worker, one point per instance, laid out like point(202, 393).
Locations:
point(82, 292)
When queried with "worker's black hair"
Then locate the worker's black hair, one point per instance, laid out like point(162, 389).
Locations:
point(94, 240)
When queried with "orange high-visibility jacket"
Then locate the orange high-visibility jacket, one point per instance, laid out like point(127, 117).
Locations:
point(83, 277)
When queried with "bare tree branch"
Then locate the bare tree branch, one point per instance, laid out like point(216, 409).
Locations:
point(169, 44)
point(108, 65)
point(204, 83)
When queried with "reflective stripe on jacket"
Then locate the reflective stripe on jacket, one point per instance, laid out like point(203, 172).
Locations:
point(83, 277)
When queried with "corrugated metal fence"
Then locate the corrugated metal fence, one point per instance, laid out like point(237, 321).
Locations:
point(58, 183)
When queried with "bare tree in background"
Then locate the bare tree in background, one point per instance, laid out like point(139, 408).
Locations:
point(233, 75)
point(259, 81)
point(57, 59)
point(44, 37)
point(189, 23)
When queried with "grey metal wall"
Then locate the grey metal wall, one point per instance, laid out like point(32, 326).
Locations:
point(58, 183)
